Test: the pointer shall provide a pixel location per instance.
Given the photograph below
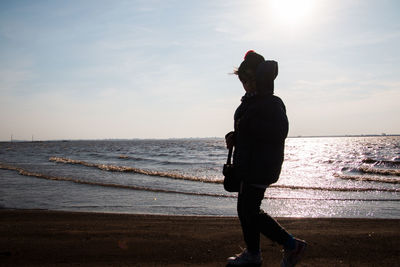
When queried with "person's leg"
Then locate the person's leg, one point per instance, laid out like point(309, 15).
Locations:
point(248, 208)
point(270, 228)
point(294, 248)
point(254, 220)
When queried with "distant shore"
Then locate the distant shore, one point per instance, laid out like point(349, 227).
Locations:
point(188, 138)
point(48, 238)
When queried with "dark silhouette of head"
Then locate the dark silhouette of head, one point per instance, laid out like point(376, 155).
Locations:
point(259, 72)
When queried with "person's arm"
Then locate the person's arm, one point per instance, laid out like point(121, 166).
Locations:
point(230, 140)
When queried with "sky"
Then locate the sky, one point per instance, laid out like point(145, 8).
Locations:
point(163, 69)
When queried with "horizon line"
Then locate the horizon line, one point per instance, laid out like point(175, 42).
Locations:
point(182, 138)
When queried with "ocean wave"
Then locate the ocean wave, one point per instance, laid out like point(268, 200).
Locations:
point(114, 168)
point(340, 189)
point(165, 162)
point(25, 172)
point(395, 162)
point(370, 170)
point(368, 178)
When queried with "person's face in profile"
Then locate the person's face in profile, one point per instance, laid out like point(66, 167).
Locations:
point(249, 84)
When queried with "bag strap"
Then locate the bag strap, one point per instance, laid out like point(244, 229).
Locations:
point(228, 161)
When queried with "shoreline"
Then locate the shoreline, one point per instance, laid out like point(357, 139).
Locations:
point(191, 216)
point(63, 238)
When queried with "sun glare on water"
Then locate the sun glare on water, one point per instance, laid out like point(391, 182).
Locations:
point(291, 12)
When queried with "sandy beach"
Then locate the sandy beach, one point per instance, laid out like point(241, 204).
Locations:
point(48, 238)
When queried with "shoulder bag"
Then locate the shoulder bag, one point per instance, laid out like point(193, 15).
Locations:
point(231, 180)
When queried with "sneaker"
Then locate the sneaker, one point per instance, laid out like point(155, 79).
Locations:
point(245, 258)
point(291, 257)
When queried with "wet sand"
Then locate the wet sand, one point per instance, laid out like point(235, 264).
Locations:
point(48, 238)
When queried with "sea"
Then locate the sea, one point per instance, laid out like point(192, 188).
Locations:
point(340, 177)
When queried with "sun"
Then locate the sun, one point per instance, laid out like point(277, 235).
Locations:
point(291, 11)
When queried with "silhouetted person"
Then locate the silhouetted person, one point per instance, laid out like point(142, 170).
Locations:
point(260, 130)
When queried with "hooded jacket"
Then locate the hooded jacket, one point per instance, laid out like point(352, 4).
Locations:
point(261, 127)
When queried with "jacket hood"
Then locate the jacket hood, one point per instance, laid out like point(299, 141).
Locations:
point(265, 75)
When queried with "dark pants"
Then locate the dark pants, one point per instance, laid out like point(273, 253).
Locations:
point(255, 221)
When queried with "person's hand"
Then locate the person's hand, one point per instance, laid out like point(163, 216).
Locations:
point(230, 140)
